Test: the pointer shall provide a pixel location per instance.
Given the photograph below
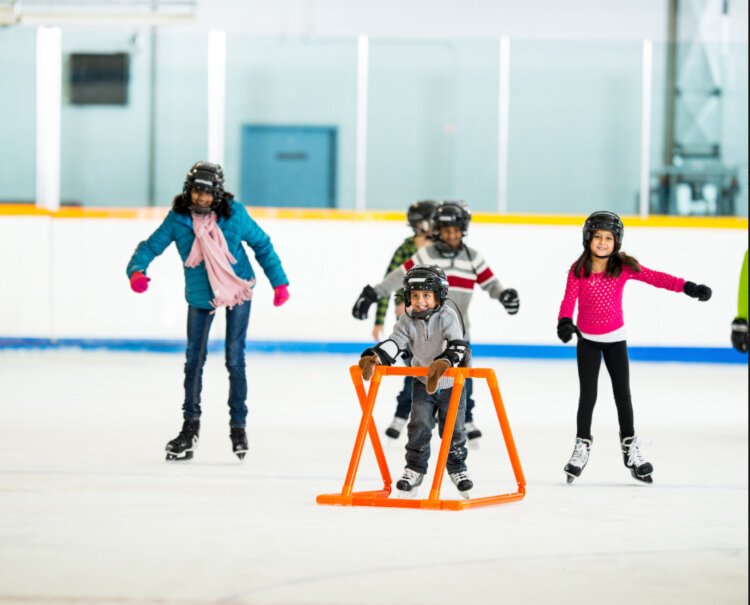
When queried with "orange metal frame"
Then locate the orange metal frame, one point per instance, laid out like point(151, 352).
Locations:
point(348, 497)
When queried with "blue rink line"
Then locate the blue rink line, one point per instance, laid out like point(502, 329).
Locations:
point(512, 351)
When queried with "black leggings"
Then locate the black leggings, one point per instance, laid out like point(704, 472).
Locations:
point(589, 354)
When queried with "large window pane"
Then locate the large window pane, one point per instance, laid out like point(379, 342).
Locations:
point(17, 111)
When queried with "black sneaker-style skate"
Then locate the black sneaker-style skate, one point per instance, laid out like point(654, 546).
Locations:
point(409, 483)
point(182, 446)
point(462, 482)
point(578, 459)
point(396, 427)
point(239, 441)
point(472, 432)
point(634, 460)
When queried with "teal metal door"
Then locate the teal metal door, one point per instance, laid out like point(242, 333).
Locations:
point(289, 166)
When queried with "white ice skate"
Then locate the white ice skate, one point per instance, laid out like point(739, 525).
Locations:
point(578, 459)
point(408, 485)
point(462, 482)
point(639, 468)
point(394, 430)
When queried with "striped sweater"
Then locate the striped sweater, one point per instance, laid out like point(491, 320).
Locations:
point(464, 268)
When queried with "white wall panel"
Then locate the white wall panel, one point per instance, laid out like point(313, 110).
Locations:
point(65, 278)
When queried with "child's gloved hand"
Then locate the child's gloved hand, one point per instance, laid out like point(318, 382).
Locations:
point(699, 291)
point(566, 328)
point(368, 296)
point(139, 282)
point(739, 334)
point(435, 373)
point(509, 300)
point(280, 295)
point(367, 365)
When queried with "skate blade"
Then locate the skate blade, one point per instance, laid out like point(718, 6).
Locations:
point(187, 455)
point(570, 478)
point(643, 479)
point(241, 455)
point(410, 495)
point(465, 495)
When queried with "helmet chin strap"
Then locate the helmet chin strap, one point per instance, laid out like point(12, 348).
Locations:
point(426, 314)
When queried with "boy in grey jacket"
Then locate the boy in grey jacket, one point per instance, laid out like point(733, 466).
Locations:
point(433, 333)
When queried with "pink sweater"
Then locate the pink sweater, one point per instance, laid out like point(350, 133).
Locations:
point(600, 298)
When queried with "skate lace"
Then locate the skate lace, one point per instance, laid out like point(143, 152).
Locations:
point(411, 476)
point(580, 454)
point(459, 476)
point(635, 458)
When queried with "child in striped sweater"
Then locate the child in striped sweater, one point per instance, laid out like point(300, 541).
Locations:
point(597, 281)
point(464, 267)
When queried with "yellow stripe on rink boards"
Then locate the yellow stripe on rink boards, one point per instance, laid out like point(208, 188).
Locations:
point(325, 214)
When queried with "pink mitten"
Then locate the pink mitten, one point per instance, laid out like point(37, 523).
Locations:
point(139, 282)
point(280, 295)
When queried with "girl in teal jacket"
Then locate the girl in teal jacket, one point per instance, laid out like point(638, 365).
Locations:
point(208, 227)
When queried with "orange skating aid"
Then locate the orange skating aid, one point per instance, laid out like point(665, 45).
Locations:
point(348, 497)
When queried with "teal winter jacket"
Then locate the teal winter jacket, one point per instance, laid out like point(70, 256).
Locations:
point(238, 228)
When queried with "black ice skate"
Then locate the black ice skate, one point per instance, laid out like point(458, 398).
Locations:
point(239, 441)
point(409, 483)
point(634, 460)
point(182, 446)
point(462, 482)
point(394, 430)
point(578, 459)
point(472, 432)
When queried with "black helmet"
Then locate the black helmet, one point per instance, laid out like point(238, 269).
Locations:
point(451, 214)
point(603, 221)
point(425, 277)
point(420, 215)
point(205, 176)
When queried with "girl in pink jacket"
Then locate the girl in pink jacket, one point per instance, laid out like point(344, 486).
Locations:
point(597, 280)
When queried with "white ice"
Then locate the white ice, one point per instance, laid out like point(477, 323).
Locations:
point(91, 513)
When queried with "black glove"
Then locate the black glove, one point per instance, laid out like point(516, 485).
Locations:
point(699, 291)
point(739, 334)
point(509, 300)
point(363, 303)
point(566, 328)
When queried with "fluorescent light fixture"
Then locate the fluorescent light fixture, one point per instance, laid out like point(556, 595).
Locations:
point(99, 12)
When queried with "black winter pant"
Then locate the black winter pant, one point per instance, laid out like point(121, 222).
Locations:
point(589, 354)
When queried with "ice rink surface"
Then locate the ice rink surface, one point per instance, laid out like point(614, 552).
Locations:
point(91, 513)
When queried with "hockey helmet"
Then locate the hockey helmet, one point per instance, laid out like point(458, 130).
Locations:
point(420, 215)
point(603, 221)
point(452, 214)
point(425, 277)
point(206, 177)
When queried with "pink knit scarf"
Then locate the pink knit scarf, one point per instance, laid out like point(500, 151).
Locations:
point(211, 246)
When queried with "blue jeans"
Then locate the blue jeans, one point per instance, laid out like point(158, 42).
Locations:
point(198, 326)
point(403, 400)
point(422, 422)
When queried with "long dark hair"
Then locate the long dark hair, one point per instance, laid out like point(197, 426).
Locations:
point(582, 266)
point(222, 208)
